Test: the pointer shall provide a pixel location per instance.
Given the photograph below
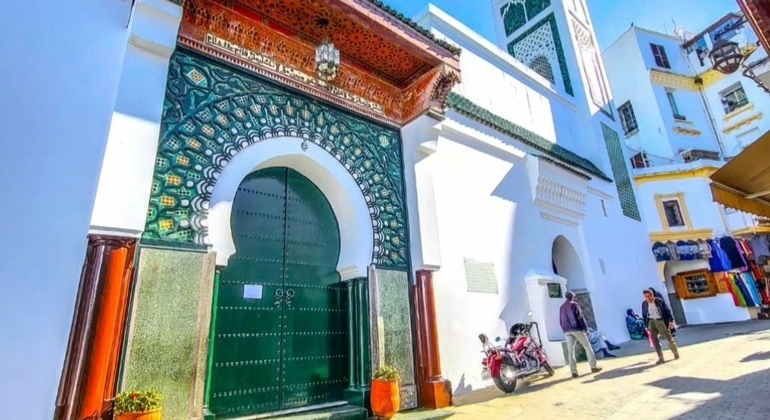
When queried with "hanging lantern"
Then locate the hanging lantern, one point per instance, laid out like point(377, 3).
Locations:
point(725, 56)
point(327, 57)
point(327, 61)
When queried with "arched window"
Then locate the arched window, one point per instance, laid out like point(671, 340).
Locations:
point(542, 66)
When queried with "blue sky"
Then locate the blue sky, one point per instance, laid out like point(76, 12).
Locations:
point(610, 17)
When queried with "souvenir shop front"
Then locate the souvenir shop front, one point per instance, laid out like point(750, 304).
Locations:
point(722, 279)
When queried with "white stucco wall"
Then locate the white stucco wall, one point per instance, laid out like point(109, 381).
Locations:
point(61, 67)
point(485, 211)
point(710, 310)
point(483, 184)
point(755, 121)
point(126, 176)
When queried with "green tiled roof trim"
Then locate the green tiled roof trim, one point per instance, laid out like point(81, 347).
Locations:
point(620, 171)
point(422, 31)
point(551, 18)
point(469, 109)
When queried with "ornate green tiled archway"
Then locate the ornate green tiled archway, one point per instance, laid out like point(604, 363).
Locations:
point(212, 112)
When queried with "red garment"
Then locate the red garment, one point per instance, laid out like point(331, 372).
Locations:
point(730, 287)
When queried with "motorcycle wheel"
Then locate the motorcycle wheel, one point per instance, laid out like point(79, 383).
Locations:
point(548, 368)
point(507, 386)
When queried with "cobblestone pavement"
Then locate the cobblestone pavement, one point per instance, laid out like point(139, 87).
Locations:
point(724, 373)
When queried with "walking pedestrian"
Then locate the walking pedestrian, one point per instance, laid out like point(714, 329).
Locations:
point(575, 328)
point(672, 327)
point(658, 319)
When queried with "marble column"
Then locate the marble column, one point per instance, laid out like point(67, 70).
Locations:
point(435, 391)
point(358, 325)
point(89, 376)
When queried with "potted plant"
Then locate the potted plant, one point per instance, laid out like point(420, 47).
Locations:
point(385, 396)
point(138, 405)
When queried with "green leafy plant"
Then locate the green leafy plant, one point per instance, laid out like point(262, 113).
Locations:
point(137, 401)
point(387, 373)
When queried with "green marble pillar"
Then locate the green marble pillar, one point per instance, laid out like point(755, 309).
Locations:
point(168, 333)
point(358, 324)
point(391, 328)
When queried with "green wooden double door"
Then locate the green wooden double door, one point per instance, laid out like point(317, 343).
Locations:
point(281, 334)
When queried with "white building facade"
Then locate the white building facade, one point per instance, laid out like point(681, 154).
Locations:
point(681, 119)
point(520, 191)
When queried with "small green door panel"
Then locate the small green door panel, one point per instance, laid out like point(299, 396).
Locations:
point(288, 347)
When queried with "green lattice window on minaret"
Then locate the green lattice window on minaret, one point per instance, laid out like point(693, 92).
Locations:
point(620, 173)
point(516, 13)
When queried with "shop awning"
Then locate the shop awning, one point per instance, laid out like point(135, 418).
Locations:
point(744, 182)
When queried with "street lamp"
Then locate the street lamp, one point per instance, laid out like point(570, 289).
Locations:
point(726, 56)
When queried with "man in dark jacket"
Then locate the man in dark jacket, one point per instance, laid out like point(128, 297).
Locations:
point(673, 326)
point(575, 328)
point(658, 319)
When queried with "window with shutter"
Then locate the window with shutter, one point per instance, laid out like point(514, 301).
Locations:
point(659, 53)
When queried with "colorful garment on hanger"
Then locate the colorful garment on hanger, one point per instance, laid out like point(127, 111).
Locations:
point(730, 247)
point(673, 251)
point(719, 260)
point(705, 249)
point(725, 278)
point(759, 246)
point(751, 285)
point(738, 291)
point(744, 247)
point(744, 291)
point(685, 253)
point(661, 252)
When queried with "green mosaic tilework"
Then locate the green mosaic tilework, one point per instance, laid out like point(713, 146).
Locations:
point(393, 291)
point(465, 107)
point(169, 327)
point(551, 18)
point(620, 172)
point(518, 12)
point(212, 112)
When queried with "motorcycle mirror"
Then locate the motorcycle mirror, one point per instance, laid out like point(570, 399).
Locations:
point(483, 338)
point(497, 339)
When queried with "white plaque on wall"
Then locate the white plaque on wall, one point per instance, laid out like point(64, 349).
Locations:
point(252, 291)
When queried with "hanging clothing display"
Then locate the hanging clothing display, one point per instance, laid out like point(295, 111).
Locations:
point(759, 246)
point(725, 277)
point(719, 260)
point(705, 249)
point(661, 252)
point(737, 290)
point(685, 253)
point(751, 285)
point(744, 291)
point(730, 246)
point(673, 251)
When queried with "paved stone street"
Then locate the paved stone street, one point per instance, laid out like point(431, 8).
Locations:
point(724, 373)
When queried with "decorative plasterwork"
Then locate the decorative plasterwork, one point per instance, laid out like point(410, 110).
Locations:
point(741, 110)
point(673, 80)
point(589, 56)
point(404, 76)
point(685, 131)
point(709, 78)
point(700, 172)
point(742, 123)
point(560, 195)
point(211, 113)
point(542, 39)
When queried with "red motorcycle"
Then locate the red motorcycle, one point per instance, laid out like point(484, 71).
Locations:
point(520, 357)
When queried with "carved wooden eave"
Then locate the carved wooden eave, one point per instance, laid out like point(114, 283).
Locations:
point(391, 70)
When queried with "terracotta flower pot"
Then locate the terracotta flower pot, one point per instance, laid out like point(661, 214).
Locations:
point(386, 398)
point(147, 415)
